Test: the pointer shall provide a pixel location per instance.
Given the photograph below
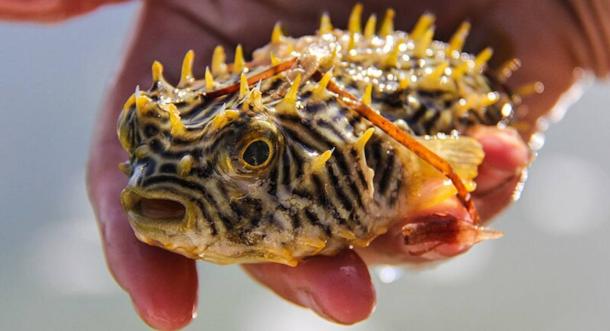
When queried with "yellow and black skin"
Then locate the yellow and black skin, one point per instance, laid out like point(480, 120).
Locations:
point(281, 169)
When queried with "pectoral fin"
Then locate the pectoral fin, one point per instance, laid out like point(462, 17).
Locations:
point(465, 154)
point(431, 187)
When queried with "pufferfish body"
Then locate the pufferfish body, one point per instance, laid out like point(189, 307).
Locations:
point(262, 161)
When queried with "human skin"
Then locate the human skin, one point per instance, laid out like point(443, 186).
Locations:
point(552, 39)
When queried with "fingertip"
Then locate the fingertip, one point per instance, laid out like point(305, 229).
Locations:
point(337, 288)
point(158, 321)
point(504, 149)
point(345, 291)
point(162, 317)
point(163, 288)
point(506, 155)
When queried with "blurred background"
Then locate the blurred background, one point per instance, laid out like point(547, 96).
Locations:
point(551, 271)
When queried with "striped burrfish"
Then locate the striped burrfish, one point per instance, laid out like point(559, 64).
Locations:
point(316, 144)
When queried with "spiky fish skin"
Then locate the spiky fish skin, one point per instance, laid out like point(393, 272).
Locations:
point(328, 179)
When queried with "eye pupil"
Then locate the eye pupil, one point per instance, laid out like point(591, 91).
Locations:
point(256, 153)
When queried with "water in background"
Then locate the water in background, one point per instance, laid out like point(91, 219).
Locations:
point(550, 271)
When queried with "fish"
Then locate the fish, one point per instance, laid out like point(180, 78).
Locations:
point(316, 144)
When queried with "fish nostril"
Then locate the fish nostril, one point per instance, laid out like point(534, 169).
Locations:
point(160, 209)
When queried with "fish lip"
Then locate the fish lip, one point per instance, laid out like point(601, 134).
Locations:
point(172, 235)
point(132, 196)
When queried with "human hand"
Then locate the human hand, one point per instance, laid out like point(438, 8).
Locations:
point(547, 36)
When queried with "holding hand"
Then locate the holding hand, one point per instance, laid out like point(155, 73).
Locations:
point(551, 38)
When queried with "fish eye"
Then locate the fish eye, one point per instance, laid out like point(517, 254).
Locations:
point(257, 153)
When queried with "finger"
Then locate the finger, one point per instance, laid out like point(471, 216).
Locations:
point(47, 10)
point(506, 157)
point(337, 288)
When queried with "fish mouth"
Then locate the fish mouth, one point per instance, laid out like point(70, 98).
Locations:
point(153, 208)
point(161, 218)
